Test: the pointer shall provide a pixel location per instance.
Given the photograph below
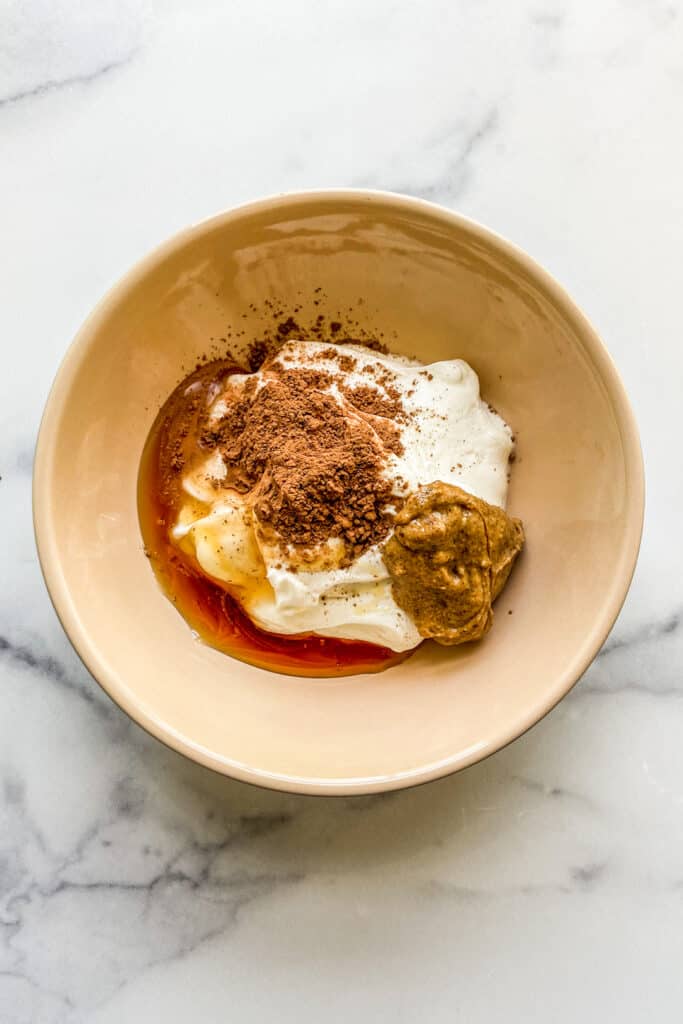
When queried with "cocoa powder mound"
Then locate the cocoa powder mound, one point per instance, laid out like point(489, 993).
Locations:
point(374, 402)
point(315, 472)
point(380, 408)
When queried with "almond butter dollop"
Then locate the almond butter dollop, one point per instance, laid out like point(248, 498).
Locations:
point(449, 558)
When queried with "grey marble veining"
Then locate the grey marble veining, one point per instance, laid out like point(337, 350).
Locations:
point(545, 884)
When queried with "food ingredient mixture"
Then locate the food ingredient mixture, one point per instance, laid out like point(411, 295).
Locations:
point(290, 486)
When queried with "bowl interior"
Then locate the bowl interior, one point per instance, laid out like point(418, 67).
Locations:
point(437, 287)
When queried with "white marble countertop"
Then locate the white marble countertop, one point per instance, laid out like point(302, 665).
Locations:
point(545, 884)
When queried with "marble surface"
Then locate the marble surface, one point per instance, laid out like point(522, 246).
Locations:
point(543, 885)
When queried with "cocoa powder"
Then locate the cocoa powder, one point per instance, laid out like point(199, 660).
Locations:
point(314, 471)
point(374, 402)
point(277, 331)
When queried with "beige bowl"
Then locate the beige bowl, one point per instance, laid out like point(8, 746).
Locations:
point(439, 286)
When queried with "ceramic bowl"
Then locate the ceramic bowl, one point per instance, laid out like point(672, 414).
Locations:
point(437, 286)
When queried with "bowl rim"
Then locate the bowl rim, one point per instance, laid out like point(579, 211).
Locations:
point(106, 675)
